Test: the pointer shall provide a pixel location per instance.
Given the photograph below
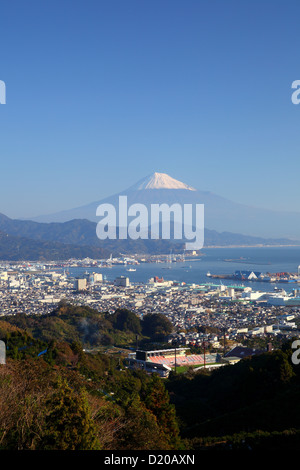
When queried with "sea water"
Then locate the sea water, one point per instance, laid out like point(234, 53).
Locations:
point(213, 260)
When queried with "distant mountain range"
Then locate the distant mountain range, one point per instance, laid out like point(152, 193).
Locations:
point(220, 214)
point(23, 249)
point(29, 240)
point(72, 234)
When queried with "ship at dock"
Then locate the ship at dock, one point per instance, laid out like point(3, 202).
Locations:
point(257, 276)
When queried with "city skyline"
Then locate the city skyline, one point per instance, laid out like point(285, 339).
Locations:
point(101, 94)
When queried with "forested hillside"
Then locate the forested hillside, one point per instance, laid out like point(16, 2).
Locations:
point(65, 386)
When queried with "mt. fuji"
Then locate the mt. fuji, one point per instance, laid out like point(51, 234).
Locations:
point(220, 213)
point(160, 181)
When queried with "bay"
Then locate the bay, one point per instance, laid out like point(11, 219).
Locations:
point(215, 261)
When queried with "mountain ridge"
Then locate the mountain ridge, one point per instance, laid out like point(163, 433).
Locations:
point(221, 214)
point(21, 239)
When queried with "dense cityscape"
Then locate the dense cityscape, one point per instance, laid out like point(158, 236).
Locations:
point(205, 312)
point(149, 230)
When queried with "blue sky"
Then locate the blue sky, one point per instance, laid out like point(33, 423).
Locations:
point(103, 93)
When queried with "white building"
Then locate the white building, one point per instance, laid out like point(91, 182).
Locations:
point(80, 284)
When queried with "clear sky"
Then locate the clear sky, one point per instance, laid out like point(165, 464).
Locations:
point(103, 93)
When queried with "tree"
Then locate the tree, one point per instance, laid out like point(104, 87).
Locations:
point(156, 325)
point(24, 386)
point(125, 320)
point(69, 425)
point(140, 430)
point(157, 400)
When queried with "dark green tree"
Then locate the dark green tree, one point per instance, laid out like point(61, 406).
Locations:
point(125, 320)
point(157, 400)
point(140, 430)
point(157, 326)
point(69, 425)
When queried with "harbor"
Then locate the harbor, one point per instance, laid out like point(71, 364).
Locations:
point(257, 276)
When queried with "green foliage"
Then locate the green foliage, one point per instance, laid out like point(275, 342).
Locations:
point(126, 386)
point(23, 387)
point(57, 408)
point(69, 425)
point(141, 430)
point(156, 399)
point(124, 320)
point(157, 326)
point(20, 345)
point(83, 325)
point(68, 398)
point(260, 392)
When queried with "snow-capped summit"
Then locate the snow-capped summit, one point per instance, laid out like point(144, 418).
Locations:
point(221, 214)
point(160, 181)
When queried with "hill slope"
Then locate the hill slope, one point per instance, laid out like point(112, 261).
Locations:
point(19, 248)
